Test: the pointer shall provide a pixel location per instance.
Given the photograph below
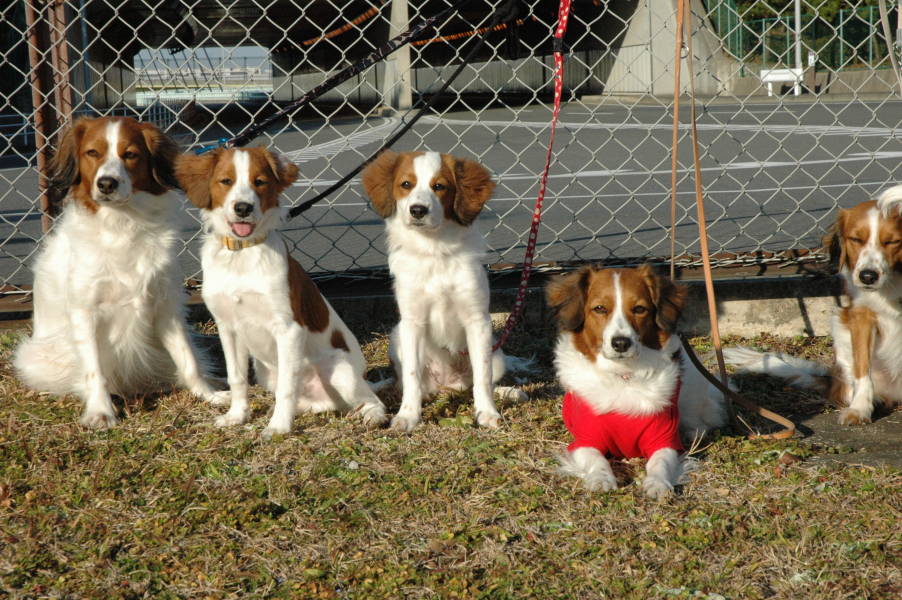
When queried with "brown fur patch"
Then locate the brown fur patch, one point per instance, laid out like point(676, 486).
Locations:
point(193, 172)
point(378, 179)
point(862, 326)
point(338, 341)
point(307, 303)
point(474, 188)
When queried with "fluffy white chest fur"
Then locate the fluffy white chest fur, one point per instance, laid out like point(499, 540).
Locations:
point(643, 387)
point(441, 278)
point(110, 280)
point(120, 265)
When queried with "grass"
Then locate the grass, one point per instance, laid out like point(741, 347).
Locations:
point(168, 506)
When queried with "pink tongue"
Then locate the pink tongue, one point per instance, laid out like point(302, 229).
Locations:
point(242, 229)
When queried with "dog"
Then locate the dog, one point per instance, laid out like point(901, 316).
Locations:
point(866, 244)
point(631, 390)
point(108, 290)
point(430, 202)
point(264, 303)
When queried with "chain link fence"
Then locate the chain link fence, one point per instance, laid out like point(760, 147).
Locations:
point(797, 116)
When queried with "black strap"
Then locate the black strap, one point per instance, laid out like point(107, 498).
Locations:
point(505, 12)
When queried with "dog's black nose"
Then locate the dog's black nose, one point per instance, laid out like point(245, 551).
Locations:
point(107, 185)
point(868, 277)
point(243, 209)
point(418, 211)
point(621, 343)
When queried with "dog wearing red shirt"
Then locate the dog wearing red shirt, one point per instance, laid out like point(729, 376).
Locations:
point(631, 391)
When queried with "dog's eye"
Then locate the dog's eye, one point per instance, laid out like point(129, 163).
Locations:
point(405, 184)
point(129, 155)
point(258, 182)
point(93, 153)
point(892, 242)
point(600, 309)
point(438, 187)
point(225, 181)
point(856, 240)
point(639, 310)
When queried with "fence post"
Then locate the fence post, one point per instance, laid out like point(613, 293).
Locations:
point(396, 88)
point(45, 119)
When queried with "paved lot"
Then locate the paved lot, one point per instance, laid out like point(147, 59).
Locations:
point(773, 173)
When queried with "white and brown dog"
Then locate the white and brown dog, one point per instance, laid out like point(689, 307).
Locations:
point(867, 329)
point(264, 303)
point(108, 291)
point(630, 388)
point(430, 203)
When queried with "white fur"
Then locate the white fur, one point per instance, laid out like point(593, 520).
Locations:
point(109, 303)
point(890, 201)
point(443, 298)
point(247, 291)
point(638, 382)
point(800, 372)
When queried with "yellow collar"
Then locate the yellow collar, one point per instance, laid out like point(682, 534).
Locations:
point(234, 244)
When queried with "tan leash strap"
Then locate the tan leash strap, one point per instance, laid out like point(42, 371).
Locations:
point(678, 63)
point(700, 211)
point(789, 427)
point(729, 395)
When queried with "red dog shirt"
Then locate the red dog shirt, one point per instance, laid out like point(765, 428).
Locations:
point(622, 436)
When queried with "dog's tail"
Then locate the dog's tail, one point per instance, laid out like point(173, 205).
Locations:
point(798, 372)
point(378, 386)
point(42, 366)
point(515, 364)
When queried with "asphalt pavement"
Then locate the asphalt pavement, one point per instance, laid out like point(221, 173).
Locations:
point(774, 175)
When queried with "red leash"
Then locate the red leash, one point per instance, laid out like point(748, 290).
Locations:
point(517, 311)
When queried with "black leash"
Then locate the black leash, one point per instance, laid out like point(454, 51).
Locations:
point(508, 11)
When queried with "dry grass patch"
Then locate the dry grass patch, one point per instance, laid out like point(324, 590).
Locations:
point(168, 506)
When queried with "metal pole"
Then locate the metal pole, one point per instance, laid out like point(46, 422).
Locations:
point(397, 87)
point(36, 49)
point(842, 42)
point(797, 88)
point(60, 54)
point(85, 68)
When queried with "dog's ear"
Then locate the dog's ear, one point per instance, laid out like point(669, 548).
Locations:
point(668, 297)
point(566, 296)
point(163, 153)
point(285, 170)
point(377, 179)
point(834, 242)
point(63, 168)
point(474, 188)
point(193, 172)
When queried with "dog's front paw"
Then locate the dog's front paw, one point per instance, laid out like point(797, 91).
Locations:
point(405, 423)
point(657, 488)
point(489, 419)
point(600, 481)
point(99, 418)
point(373, 415)
point(852, 416)
point(230, 419)
point(220, 398)
point(273, 430)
